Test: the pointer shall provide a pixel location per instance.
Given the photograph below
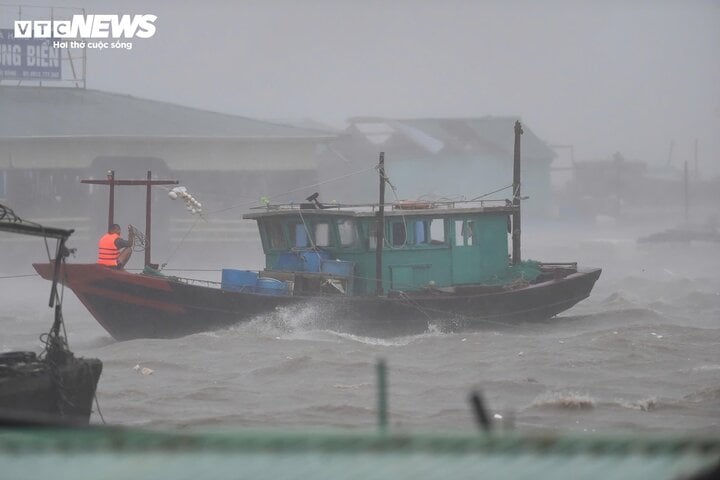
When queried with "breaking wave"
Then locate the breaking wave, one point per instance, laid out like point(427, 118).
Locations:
point(706, 368)
point(644, 405)
point(311, 322)
point(564, 400)
point(710, 394)
point(387, 342)
point(291, 319)
point(280, 323)
point(582, 401)
point(354, 386)
point(621, 301)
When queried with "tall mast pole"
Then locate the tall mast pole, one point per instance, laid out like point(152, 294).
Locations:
point(686, 192)
point(516, 196)
point(380, 233)
point(148, 217)
point(111, 203)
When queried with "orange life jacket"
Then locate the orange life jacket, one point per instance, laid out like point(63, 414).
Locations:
point(107, 251)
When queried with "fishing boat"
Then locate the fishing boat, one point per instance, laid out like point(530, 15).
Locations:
point(383, 270)
point(55, 386)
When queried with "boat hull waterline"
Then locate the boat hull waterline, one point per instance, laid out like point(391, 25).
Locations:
point(131, 306)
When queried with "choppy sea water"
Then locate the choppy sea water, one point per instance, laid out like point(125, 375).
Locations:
point(642, 353)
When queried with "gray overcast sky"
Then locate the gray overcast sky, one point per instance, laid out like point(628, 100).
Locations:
point(603, 76)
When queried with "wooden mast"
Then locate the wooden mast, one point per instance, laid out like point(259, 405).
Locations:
point(111, 207)
point(380, 229)
point(111, 203)
point(516, 196)
point(686, 193)
point(148, 217)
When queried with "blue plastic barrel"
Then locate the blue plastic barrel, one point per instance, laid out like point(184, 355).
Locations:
point(271, 286)
point(239, 280)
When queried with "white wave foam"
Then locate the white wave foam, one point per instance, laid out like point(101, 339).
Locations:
point(384, 342)
point(310, 322)
point(644, 405)
point(354, 386)
point(706, 368)
point(564, 400)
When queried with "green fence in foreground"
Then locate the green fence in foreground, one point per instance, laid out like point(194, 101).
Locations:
point(100, 452)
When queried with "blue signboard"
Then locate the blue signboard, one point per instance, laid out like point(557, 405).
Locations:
point(28, 58)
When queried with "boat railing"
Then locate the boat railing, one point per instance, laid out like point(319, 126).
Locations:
point(559, 264)
point(399, 205)
point(196, 282)
point(560, 269)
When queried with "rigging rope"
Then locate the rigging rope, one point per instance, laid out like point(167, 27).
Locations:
point(19, 276)
point(97, 405)
point(139, 243)
point(182, 240)
point(307, 231)
point(402, 215)
point(475, 199)
point(298, 189)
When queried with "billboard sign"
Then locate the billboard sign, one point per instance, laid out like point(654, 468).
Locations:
point(28, 58)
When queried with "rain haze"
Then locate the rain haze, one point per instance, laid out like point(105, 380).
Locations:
point(615, 76)
point(620, 102)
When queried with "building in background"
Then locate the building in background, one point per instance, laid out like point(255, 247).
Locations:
point(436, 158)
point(51, 137)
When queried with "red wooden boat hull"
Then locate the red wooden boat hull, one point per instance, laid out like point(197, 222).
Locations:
point(130, 305)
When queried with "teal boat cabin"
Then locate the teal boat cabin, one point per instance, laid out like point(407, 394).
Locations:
point(426, 245)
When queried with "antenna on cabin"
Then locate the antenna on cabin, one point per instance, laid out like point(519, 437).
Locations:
point(314, 199)
point(516, 196)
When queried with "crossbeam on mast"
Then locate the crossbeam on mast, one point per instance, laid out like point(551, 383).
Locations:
point(112, 182)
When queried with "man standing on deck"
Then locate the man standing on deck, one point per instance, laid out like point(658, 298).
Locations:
point(113, 251)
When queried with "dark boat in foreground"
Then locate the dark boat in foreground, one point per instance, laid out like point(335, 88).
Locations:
point(55, 386)
point(364, 270)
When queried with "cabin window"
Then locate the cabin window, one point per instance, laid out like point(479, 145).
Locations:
point(276, 235)
point(464, 233)
point(348, 232)
point(372, 235)
point(322, 234)
point(429, 232)
point(420, 231)
point(399, 235)
point(298, 235)
point(468, 233)
point(437, 231)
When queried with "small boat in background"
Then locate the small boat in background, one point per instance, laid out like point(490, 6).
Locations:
point(362, 269)
point(683, 234)
point(687, 231)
